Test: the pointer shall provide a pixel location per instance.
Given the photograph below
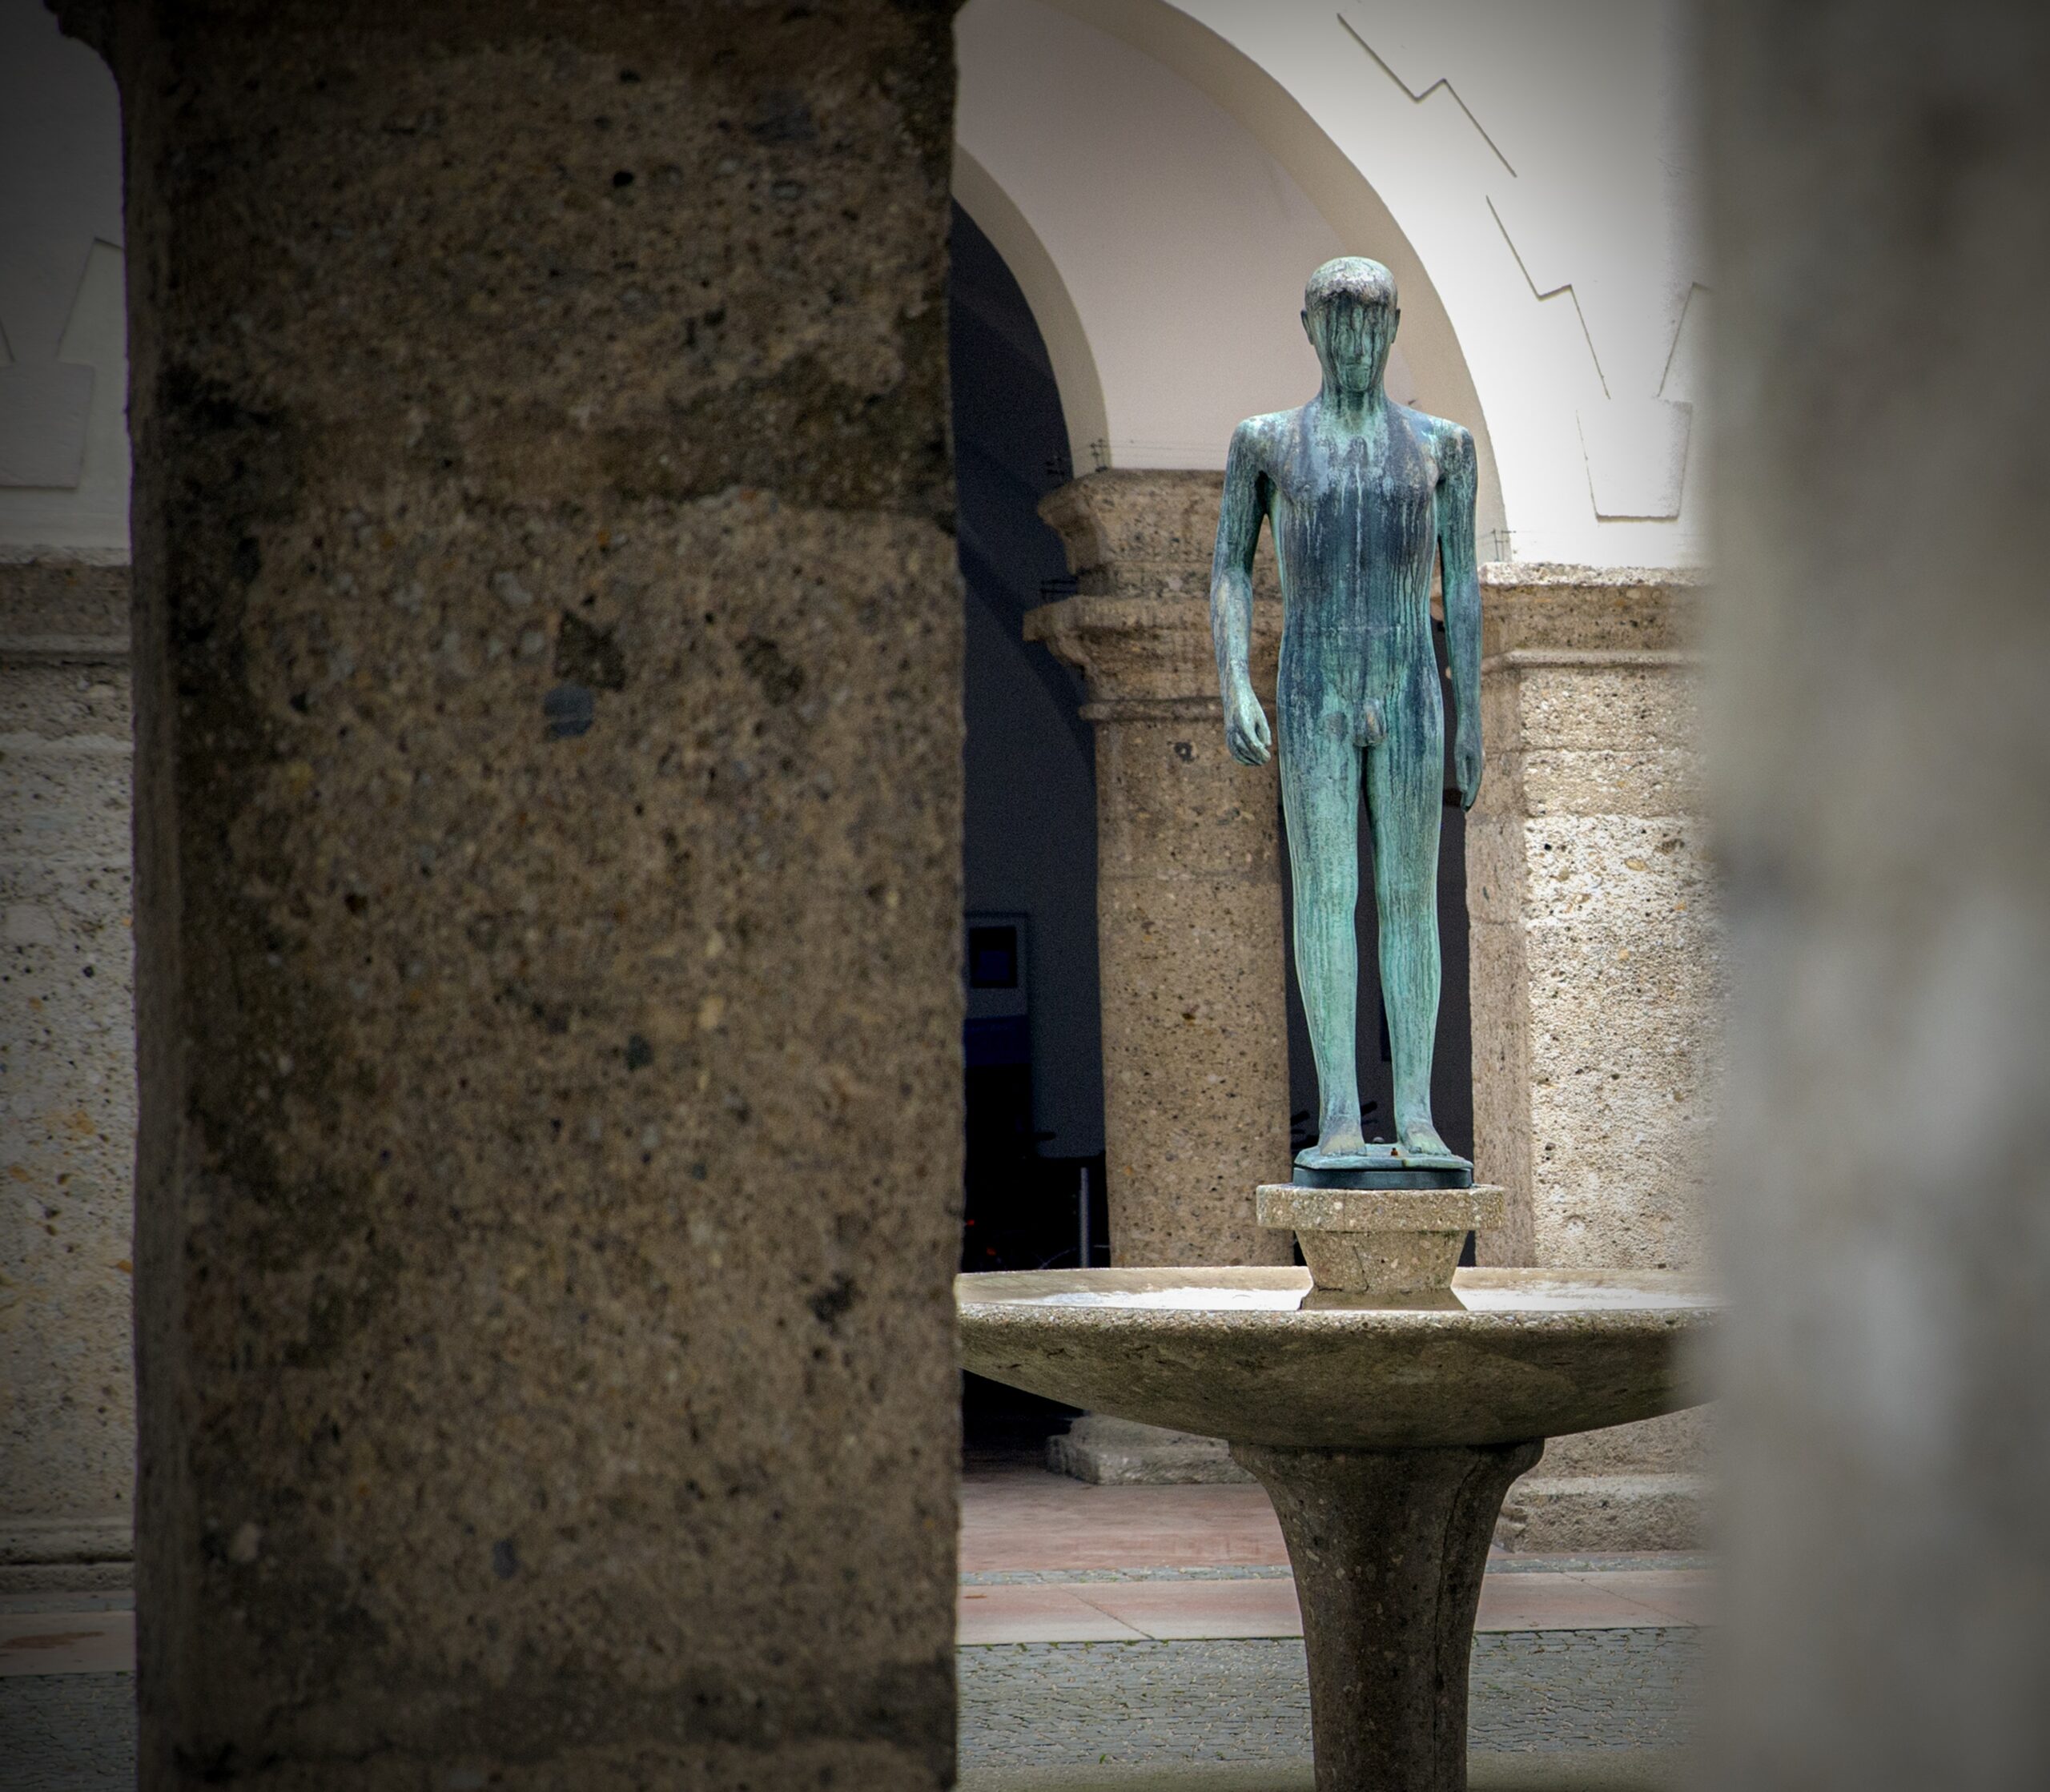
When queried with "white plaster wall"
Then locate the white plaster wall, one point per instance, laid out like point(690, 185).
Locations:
point(1181, 244)
point(1534, 156)
point(64, 352)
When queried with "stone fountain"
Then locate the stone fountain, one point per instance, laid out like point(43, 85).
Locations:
point(1384, 1398)
point(1385, 1436)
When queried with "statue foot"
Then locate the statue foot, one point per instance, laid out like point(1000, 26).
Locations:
point(1422, 1147)
point(1344, 1147)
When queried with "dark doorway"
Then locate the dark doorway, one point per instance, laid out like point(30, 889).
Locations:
point(1032, 1053)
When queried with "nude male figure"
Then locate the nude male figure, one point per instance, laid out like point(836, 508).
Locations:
point(1364, 495)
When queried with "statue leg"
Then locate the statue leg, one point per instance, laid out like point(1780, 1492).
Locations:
point(1405, 783)
point(1320, 803)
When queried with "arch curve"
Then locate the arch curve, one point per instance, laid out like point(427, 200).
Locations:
point(1161, 199)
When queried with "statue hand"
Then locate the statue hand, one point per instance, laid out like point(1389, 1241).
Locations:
point(1466, 766)
point(1245, 728)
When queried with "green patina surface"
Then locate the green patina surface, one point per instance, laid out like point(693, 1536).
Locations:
point(1365, 496)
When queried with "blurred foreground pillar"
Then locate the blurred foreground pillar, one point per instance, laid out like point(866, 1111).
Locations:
point(548, 837)
point(1883, 744)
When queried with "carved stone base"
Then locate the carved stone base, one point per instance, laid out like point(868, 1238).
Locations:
point(1380, 1243)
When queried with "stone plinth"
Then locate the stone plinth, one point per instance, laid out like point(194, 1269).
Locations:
point(548, 843)
point(1594, 979)
point(1379, 1242)
point(1189, 917)
point(1117, 1452)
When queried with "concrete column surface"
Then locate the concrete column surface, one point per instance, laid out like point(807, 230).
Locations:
point(1882, 738)
point(67, 1078)
point(548, 837)
point(1189, 897)
point(1595, 980)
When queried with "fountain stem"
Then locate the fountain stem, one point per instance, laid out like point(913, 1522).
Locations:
point(1389, 1547)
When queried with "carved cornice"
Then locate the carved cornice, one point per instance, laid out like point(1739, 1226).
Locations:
point(1149, 658)
point(1139, 544)
point(1144, 534)
point(1586, 610)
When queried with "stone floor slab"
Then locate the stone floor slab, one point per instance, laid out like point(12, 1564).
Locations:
point(1178, 1610)
point(990, 1616)
point(1188, 1610)
point(1023, 1518)
point(66, 1642)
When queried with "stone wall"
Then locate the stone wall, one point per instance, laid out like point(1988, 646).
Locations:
point(67, 1101)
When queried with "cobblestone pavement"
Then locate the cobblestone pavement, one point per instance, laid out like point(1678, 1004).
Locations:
point(1041, 1711)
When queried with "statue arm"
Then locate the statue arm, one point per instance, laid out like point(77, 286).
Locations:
point(1246, 731)
point(1462, 606)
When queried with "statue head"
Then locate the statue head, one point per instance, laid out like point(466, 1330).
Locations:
point(1350, 315)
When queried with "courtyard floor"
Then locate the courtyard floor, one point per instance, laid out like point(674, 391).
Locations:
point(1147, 1639)
point(1111, 1639)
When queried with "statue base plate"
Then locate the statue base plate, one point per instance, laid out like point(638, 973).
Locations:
point(1399, 1175)
point(1380, 1165)
point(1377, 1247)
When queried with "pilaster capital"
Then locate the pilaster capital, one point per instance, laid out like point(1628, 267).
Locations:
point(1149, 658)
point(1144, 534)
point(1139, 544)
point(1545, 613)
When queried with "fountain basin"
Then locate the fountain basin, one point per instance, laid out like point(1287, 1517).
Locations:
point(1236, 1353)
point(1385, 1435)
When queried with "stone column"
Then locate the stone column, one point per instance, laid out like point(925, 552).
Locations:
point(1882, 741)
point(67, 1078)
point(547, 840)
point(1594, 980)
point(1188, 900)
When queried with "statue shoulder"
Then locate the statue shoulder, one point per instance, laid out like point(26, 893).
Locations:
point(1258, 438)
point(1452, 443)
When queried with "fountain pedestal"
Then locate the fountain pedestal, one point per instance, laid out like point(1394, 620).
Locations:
point(1387, 1547)
point(1380, 1243)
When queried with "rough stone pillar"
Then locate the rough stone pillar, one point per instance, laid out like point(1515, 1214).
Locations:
point(548, 844)
point(1882, 738)
point(67, 1078)
point(1594, 983)
point(1189, 897)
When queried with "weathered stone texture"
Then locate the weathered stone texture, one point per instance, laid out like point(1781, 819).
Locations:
point(1596, 983)
point(1594, 970)
point(67, 1108)
point(1190, 933)
point(549, 891)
